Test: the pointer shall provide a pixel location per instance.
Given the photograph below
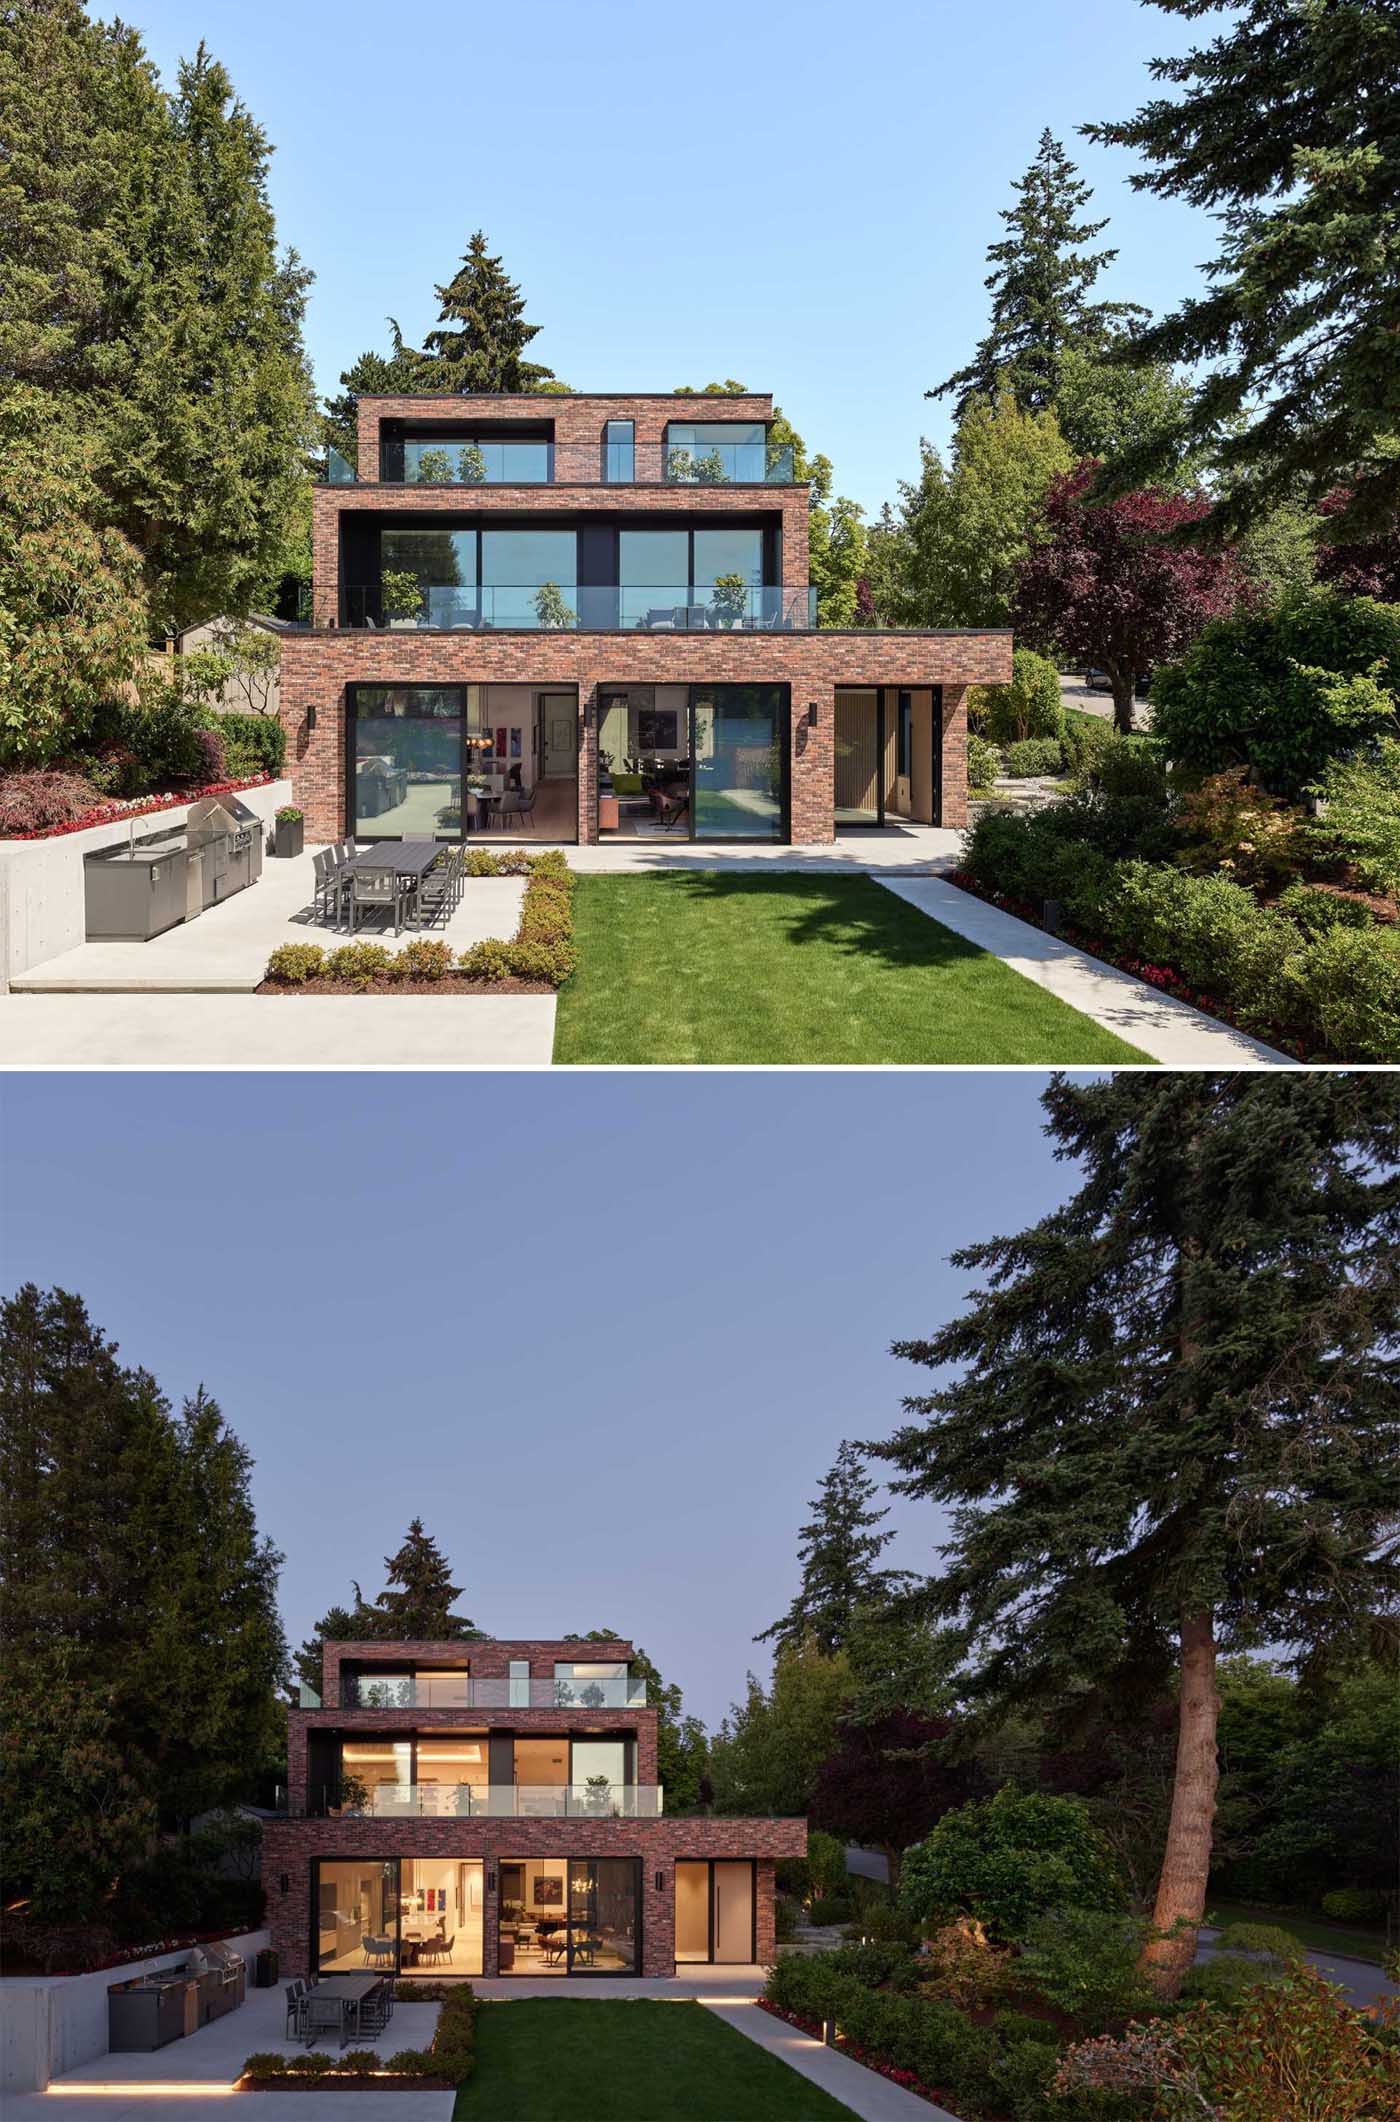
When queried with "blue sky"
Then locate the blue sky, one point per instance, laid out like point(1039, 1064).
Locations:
point(797, 195)
point(604, 1333)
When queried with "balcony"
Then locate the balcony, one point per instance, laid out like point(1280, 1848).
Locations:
point(446, 461)
point(482, 1801)
point(553, 607)
point(458, 1691)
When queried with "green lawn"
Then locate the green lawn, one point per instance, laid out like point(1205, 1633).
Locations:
point(588, 2059)
point(705, 966)
point(1313, 1931)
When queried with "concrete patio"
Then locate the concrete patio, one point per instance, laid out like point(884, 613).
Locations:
point(226, 950)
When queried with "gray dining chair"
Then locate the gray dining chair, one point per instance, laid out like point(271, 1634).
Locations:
point(376, 890)
point(325, 2015)
point(296, 1999)
point(516, 804)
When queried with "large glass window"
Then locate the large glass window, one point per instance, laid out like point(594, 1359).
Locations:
point(740, 736)
point(442, 1908)
point(570, 1916)
point(357, 1915)
point(619, 451)
point(728, 552)
point(405, 766)
point(529, 577)
point(598, 1776)
point(474, 460)
point(427, 578)
point(376, 1776)
point(654, 571)
point(713, 452)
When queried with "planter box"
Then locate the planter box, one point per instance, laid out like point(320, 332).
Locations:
point(287, 836)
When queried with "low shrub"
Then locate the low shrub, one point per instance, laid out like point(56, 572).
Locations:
point(482, 863)
point(492, 960)
point(1005, 1859)
point(360, 2059)
point(886, 1924)
point(212, 757)
point(265, 2063)
point(1361, 826)
point(1023, 2026)
point(314, 2064)
point(1293, 2048)
point(960, 1962)
point(1084, 739)
point(1226, 1978)
point(425, 958)
point(983, 761)
point(1033, 755)
point(359, 963)
point(830, 1908)
point(413, 2063)
point(293, 964)
point(1265, 1940)
point(880, 1966)
point(1315, 910)
point(1344, 989)
point(253, 744)
point(32, 802)
point(1022, 2074)
point(1353, 1904)
point(1083, 1961)
point(1241, 831)
point(1213, 932)
point(784, 1919)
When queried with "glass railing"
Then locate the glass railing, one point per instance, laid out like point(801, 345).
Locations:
point(545, 607)
point(457, 1691)
point(339, 470)
point(449, 462)
point(599, 1800)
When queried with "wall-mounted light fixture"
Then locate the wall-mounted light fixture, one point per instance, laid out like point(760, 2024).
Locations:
point(812, 713)
point(284, 1882)
point(490, 1882)
point(311, 718)
point(661, 1882)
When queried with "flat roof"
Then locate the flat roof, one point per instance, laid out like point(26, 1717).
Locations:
point(686, 397)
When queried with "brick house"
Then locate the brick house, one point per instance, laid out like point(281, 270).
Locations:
point(588, 616)
point(493, 1808)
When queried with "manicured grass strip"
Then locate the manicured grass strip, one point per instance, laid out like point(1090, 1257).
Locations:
point(1315, 1932)
point(706, 966)
point(593, 2059)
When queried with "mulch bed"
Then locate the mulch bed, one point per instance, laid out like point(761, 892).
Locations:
point(344, 2082)
point(452, 984)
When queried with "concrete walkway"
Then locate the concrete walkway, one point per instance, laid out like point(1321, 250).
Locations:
point(1171, 1032)
point(270, 1031)
point(865, 2092)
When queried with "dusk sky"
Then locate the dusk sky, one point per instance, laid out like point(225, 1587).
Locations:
point(604, 1333)
point(800, 196)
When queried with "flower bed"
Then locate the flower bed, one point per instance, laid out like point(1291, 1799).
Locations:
point(535, 961)
point(63, 1949)
point(117, 810)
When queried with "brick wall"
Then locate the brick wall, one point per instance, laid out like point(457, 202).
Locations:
point(317, 666)
point(527, 1722)
point(489, 1659)
point(578, 421)
point(289, 1847)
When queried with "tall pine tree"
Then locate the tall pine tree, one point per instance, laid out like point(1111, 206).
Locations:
point(1169, 1420)
point(839, 1549)
point(1041, 280)
point(415, 1606)
point(1284, 127)
point(479, 341)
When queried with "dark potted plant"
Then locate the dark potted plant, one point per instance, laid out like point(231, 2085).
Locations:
point(288, 828)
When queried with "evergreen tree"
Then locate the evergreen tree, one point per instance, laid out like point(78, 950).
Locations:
point(1283, 127)
point(481, 335)
point(1040, 285)
point(131, 1570)
point(1171, 1421)
point(415, 1606)
point(839, 1550)
point(372, 376)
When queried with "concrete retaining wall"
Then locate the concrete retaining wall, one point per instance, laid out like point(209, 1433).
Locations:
point(52, 2023)
point(41, 881)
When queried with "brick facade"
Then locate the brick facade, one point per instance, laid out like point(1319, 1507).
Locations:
point(292, 1845)
point(319, 663)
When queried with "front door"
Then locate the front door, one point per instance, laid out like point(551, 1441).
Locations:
point(560, 717)
point(715, 1911)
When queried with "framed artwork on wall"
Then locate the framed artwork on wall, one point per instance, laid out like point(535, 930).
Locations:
point(501, 739)
point(515, 744)
point(549, 1893)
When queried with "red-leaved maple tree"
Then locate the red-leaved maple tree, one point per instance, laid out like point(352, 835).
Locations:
point(1109, 584)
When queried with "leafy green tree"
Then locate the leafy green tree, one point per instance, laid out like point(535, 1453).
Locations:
point(1030, 706)
point(130, 1563)
point(72, 607)
point(1007, 1859)
point(479, 341)
point(839, 1549)
point(952, 555)
point(682, 1750)
point(1284, 692)
point(74, 1815)
point(1167, 1421)
point(766, 1753)
point(1041, 280)
point(414, 1607)
point(1278, 553)
point(1283, 127)
point(1106, 408)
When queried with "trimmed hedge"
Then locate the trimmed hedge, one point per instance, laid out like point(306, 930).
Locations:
point(253, 744)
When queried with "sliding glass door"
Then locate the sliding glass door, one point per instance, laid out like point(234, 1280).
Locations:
point(570, 1915)
point(699, 762)
point(449, 762)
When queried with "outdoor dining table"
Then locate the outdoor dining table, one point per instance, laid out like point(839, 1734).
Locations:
point(406, 858)
point(350, 1991)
